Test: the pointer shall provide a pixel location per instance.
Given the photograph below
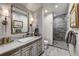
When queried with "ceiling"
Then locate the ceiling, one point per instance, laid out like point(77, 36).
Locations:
point(57, 8)
point(33, 6)
point(62, 8)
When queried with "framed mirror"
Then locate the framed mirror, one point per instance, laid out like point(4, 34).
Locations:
point(74, 22)
point(19, 21)
point(17, 24)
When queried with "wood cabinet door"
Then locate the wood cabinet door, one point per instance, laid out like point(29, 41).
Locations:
point(34, 50)
point(16, 53)
point(27, 51)
point(39, 47)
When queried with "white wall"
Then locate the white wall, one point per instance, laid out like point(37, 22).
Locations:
point(8, 27)
point(38, 20)
point(48, 28)
point(67, 17)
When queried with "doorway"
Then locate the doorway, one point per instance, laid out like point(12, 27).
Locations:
point(59, 31)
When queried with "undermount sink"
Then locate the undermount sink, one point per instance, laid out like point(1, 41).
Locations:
point(25, 39)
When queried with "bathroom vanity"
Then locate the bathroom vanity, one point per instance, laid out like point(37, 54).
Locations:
point(30, 46)
point(18, 21)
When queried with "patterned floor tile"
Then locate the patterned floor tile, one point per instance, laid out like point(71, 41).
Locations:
point(54, 51)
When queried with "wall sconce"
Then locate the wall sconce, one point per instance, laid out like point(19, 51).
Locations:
point(31, 20)
point(4, 22)
point(5, 13)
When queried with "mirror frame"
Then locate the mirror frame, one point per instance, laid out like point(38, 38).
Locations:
point(76, 21)
point(12, 20)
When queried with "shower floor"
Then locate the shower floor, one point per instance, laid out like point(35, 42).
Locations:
point(54, 51)
point(60, 44)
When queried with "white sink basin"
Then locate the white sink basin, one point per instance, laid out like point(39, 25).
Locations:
point(25, 39)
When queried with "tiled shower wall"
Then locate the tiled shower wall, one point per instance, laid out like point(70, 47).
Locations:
point(59, 28)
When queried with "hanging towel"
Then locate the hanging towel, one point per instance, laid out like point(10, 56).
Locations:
point(71, 37)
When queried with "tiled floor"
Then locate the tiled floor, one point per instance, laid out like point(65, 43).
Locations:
point(61, 44)
point(54, 51)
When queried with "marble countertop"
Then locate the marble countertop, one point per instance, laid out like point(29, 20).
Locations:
point(16, 44)
point(2, 36)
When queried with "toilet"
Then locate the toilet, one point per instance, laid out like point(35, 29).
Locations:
point(45, 44)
